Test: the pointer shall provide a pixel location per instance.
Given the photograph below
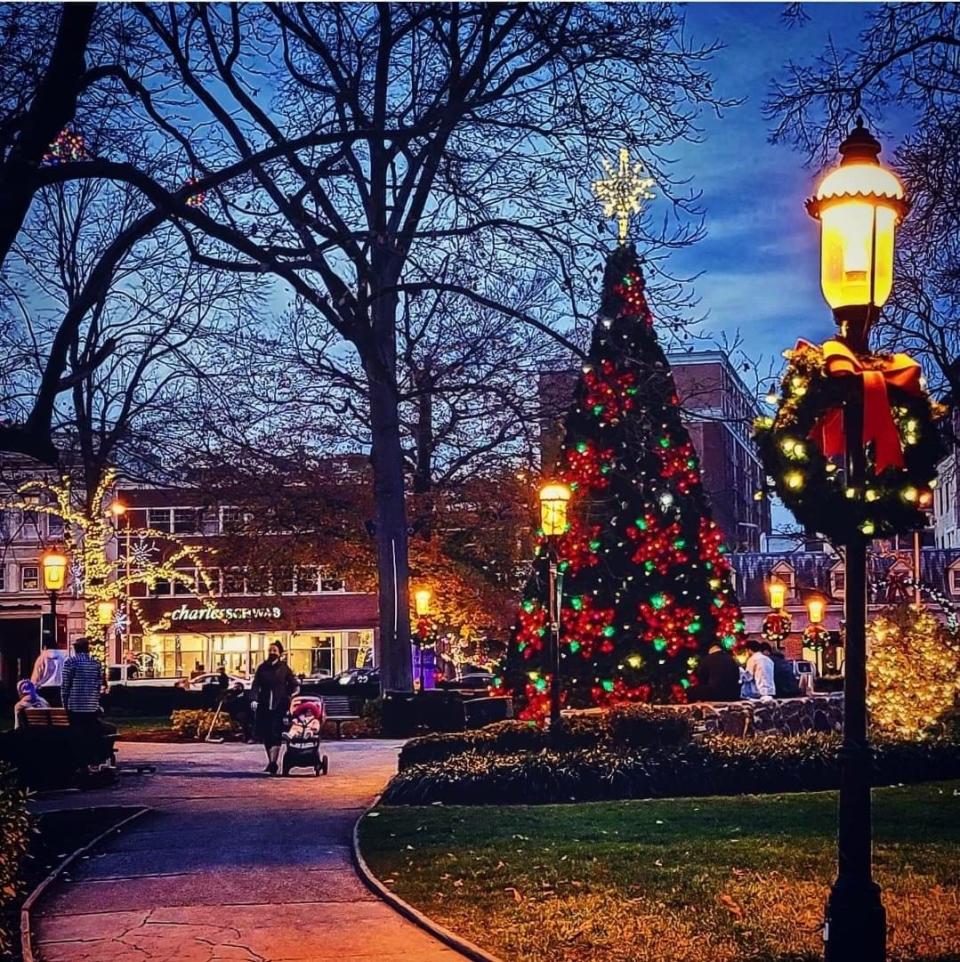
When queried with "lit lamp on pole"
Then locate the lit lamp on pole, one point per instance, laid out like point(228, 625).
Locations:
point(858, 204)
point(554, 499)
point(105, 614)
point(778, 594)
point(54, 565)
point(421, 606)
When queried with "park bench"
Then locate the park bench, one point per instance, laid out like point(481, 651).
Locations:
point(337, 710)
point(52, 726)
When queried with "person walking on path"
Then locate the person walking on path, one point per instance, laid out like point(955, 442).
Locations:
point(274, 684)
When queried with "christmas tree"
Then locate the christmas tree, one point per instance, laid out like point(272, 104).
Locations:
point(646, 583)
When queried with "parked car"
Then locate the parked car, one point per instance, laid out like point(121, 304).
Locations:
point(476, 679)
point(359, 676)
point(197, 682)
point(133, 676)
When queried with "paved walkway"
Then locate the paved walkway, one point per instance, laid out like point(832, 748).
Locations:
point(232, 866)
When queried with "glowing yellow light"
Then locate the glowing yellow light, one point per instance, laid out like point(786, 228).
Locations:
point(816, 607)
point(871, 494)
point(858, 204)
point(105, 610)
point(868, 527)
point(421, 601)
point(54, 564)
point(778, 594)
point(910, 493)
point(554, 498)
point(622, 190)
point(634, 661)
point(793, 480)
point(851, 492)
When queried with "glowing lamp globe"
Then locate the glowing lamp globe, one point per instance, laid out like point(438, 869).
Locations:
point(859, 205)
point(816, 607)
point(778, 594)
point(421, 602)
point(54, 563)
point(554, 498)
point(105, 610)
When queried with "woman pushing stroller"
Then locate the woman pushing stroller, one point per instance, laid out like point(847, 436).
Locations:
point(274, 684)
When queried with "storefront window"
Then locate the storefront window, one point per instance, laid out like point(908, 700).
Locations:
point(359, 649)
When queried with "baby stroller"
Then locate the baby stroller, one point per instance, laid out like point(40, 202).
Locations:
point(301, 740)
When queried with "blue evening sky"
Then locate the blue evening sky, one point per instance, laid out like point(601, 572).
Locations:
point(760, 259)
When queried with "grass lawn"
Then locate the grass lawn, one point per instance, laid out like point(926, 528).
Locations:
point(690, 880)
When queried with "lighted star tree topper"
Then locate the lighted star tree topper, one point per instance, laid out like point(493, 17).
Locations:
point(623, 191)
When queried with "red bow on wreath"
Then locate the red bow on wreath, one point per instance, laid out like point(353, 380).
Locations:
point(900, 371)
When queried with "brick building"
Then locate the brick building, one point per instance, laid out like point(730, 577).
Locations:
point(719, 412)
point(248, 591)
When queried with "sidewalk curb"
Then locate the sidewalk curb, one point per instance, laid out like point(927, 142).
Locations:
point(26, 942)
point(451, 939)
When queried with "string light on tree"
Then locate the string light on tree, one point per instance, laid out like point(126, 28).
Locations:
point(67, 148)
point(623, 190)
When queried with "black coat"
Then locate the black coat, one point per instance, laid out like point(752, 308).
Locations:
point(718, 677)
point(273, 685)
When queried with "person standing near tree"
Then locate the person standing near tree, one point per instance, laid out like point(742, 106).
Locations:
point(274, 684)
point(760, 668)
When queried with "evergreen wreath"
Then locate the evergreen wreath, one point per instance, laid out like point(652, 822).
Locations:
point(813, 485)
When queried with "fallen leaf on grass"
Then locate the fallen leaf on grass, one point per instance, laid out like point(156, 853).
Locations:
point(517, 897)
point(731, 905)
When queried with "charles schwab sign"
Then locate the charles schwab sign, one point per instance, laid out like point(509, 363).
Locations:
point(213, 613)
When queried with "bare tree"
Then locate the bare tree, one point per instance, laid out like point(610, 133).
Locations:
point(148, 326)
point(907, 57)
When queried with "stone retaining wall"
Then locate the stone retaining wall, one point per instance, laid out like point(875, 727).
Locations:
point(784, 716)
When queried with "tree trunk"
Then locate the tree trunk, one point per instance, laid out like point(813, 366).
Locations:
point(386, 456)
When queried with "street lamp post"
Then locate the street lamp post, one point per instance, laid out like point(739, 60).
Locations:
point(858, 204)
point(421, 605)
point(54, 564)
point(105, 612)
point(119, 510)
point(554, 498)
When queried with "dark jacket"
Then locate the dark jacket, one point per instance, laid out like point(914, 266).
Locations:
point(273, 685)
point(718, 678)
point(784, 680)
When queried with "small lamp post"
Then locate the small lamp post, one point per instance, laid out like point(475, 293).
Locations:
point(421, 606)
point(54, 564)
point(105, 612)
point(778, 594)
point(554, 498)
point(859, 204)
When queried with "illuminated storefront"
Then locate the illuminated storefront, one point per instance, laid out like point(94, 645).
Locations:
point(321, 635)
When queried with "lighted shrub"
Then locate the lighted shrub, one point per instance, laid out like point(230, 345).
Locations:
point(913, 673)
point(16, 827)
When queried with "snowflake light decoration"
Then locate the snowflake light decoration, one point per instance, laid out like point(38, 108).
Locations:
point(120, 622)
point(142, 552)
point(77, 578)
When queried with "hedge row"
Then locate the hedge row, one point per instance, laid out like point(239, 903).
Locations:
point(16, 828)
point(196, 724)
point(716, 766)
point(629, 726)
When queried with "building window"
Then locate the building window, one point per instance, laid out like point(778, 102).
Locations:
point(838, 582)
point(161, 587)
point(785, 573)
point(233, 581)
point(185, 521)
point(955, 581)
point(159, 518)
point(3, 577)
point(185, 587)
point(258, 580)
point(29, 578)
point(308, 579)
point(231, 519)
point(284, 580)
point(332, 584)
point(55, 525)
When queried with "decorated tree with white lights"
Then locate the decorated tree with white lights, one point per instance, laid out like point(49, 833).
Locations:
point(646, 582)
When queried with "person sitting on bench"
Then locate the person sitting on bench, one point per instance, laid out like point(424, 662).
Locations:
point(28, 699)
